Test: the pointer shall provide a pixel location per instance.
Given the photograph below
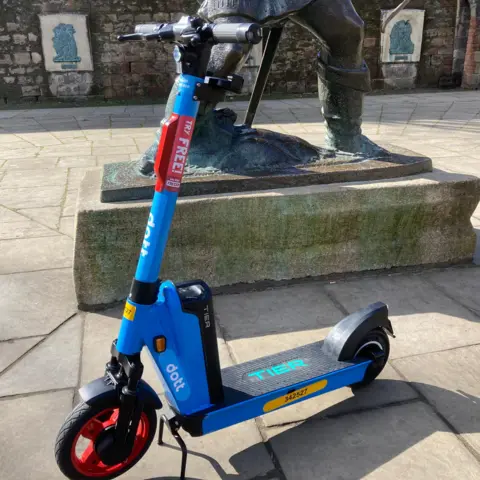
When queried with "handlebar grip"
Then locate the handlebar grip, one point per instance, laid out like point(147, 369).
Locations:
point(237, 33)
point(148, 28)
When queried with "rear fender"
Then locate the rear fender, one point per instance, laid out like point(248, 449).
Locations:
point(343, 340)
point(102, 389)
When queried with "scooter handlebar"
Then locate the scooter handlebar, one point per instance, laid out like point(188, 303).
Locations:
point(179, 32)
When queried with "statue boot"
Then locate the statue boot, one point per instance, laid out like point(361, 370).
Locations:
point(214, 131)
point(341, 93)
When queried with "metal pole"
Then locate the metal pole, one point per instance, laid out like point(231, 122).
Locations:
point(262, 77)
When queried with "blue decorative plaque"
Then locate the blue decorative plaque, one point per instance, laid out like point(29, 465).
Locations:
point(65, 44)
point(401, 39)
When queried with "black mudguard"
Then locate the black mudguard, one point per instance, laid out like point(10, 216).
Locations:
point(343, 340)
point(102, 388)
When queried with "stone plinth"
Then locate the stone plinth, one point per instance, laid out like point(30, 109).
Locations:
point(279, 234)
point(121, 181)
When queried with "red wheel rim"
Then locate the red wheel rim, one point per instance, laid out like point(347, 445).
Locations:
point(83, 454)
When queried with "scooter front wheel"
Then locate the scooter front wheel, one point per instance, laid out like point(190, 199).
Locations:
point(75, 448)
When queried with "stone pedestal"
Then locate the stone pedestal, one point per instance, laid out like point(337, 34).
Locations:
point(278, 234)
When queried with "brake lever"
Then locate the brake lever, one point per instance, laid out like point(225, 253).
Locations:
point(152, 36)
point(139, 36)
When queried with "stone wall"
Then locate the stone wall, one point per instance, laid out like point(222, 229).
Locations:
point(294, 70)
point(140, 69)
point(119, 70)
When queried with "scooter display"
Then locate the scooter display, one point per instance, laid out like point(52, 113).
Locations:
point(115, 423)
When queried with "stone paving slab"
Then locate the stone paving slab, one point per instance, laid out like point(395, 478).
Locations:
point(67, 225)
point(48, 216)
point(8, 154)
point(105, 159)
point(66, 151)
point(450, 381)
point(40, 139)
point(20, 179)
point(24, 229)
point(27, 255)
point(11, 350)
point(423, 318)
point(35, 303)
point(78, 162)
point(14, 225)
point(30, 164)
point(37, 418)
point(53, 364)
point(274, 311)
point(18, 198)
point(408, 442)
point(70, 204)
point(75, 176)
point(464, 286)
point(115, 150)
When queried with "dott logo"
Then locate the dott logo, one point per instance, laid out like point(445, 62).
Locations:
point(178, 382)
point(148, 234)
point(276, 370)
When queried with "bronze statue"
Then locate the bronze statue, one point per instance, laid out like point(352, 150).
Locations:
point(229, 157)
point(343, 80)
point(343, 75)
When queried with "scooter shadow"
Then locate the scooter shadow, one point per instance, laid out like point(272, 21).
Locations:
point(219, 470)
point(222, 474)
point(368, 436)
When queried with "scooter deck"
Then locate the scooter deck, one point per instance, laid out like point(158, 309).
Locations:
point(275, 372)
point(269, 383)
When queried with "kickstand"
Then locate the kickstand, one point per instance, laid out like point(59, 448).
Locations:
point(173, 426)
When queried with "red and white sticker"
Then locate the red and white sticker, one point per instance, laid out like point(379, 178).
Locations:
point(178, 160)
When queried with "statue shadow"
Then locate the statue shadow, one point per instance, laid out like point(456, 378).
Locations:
point(368, 437)
point(80, 115)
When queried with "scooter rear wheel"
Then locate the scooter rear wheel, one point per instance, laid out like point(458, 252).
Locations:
point(374, 346)
point(75, 448)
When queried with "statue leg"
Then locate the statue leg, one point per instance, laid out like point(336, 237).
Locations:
point(225, 60)
point(343, 75)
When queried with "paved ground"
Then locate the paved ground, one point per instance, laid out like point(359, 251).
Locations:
point(420, 420)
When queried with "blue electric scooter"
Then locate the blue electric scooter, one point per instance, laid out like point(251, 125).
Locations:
point(114, 425)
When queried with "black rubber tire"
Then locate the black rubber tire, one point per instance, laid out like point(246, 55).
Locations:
point(378, 336)
point(79, 416)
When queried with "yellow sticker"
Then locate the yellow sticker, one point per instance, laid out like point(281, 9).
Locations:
point(294, 396)
point(129, 312)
